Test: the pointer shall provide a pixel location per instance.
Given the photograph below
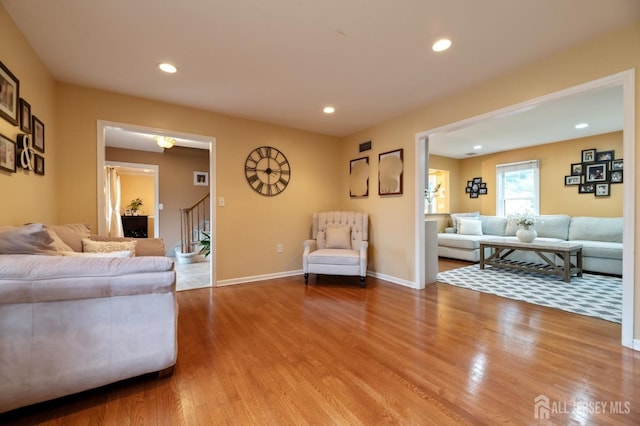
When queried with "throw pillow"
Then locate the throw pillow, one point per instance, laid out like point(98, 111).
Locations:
point(29, 239)
point(123, 253)
point(455, 217)
point(90, 246)
point(72, 234)
point(338, 237)
point(470, 227)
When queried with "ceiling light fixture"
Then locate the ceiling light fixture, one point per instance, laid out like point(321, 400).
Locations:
point(329, 110)
point(168, 68)
point(164, 141)
point(441, 45)
point(582, 125)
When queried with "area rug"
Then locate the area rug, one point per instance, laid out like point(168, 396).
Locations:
point(190, 276)
point(592, 295)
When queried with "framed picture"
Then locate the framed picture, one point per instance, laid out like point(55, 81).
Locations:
point(39, 165)
point(25, 116)
point(605, 155)
point(359, 177)
point(596, 172)
point(474, 195)
point(576, 169)
point(602, 190)
point(586, 188)
point(482, 191)
point(477, 180)
point(588, 155)
point(9, 95)
point(467, 190)
point(201, 178)
point(390, 168)
point(37, 127)
point(617, 164)
point(572, 180)
point(615, 176)
point(7, 154)
point(469, 183)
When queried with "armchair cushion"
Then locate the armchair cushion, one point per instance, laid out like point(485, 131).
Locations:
point(338, 237)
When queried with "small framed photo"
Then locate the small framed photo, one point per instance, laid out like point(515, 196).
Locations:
point(602, 190)
point(482, 191)
point(473, 195)
point(37, 127)
point(39, 165)
point(572, 180)
point(359, 177)
point(586, 188)
point(616, 176)
point(9, 95)
point(25, 116)
point(576, 169)
point(605, 155)
point(483, 185)
point(469, 183)
point(588, 155)
point(7, 154)
point(390, 167)
point(467, 190)
point(477, 180)
point(201, 178)
point(617, 164)
point(596, 172)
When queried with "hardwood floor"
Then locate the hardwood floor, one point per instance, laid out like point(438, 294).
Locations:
point(279, 353)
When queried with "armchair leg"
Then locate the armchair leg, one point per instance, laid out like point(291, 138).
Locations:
point(306, 278)
point(362, 283)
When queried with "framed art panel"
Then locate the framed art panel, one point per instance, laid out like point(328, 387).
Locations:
point(201, 178)
point(617, 164)
point(588, 155)
point(596, 172)
point(390, 168)
point(9, 95)
point(7, 154)
point(359, 177)
point(586, 188)
point(605, 155)
point(615, 176)
point(602, 190)
point(576, 169)
point(572, 180)
point(39, 164)
point(25, 116)
point(37, 127)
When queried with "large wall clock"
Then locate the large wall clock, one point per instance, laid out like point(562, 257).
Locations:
point(267, 171)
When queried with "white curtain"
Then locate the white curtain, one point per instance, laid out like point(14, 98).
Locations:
point(114, 222)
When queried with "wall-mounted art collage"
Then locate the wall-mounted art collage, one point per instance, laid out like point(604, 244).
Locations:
point(595, 174)
point(390, 174)
point(25, 151)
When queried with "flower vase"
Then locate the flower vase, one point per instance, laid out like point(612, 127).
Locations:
point(431, 207)
point(526, 234)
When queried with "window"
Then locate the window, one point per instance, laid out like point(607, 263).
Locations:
point(518, 188)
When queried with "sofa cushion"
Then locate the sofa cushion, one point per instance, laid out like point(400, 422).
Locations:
point(34, 238)
point(72, 234)
point(494, 225)
point(338, 237)
point(609, 229)
point(467, 242)
point(456, 216)
point(335, 257)
point(144, 246)
point(90, 246)
point(550, 226)
point(123, 253)
point(600, 249)
point(470, 226)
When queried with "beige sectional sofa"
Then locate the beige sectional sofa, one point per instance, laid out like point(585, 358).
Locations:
point(600, 237)
point(73, 320)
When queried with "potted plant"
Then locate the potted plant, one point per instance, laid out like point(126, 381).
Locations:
point(134, 206)
point(205, 243)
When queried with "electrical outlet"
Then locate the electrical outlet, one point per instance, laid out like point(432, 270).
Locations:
point(279, 248)
point(221, 201)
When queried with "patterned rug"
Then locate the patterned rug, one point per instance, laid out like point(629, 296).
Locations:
point(592, 295)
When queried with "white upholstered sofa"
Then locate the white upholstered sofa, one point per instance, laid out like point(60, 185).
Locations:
point(338, 245)
point(71, 323)
point(601, 238)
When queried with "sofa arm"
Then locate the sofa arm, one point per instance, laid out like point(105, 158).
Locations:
point(308, 246)
point(363, 258)
point(144, 247)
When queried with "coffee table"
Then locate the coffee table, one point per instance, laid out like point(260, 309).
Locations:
point(503, 247)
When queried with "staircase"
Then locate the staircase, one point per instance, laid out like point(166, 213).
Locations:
point(195, 221)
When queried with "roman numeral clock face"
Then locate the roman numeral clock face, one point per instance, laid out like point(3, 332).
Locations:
point(267, 171)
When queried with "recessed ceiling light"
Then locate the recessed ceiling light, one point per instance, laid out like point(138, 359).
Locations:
point(477, 147)
point(329, 110)
point(582, 125)
point(168, 68)
point(441, 45)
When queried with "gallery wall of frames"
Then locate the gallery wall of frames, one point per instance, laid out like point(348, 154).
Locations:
point(24, 150)
point(595, 174)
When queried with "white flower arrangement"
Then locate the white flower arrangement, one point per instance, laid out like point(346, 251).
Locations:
point(523, 219)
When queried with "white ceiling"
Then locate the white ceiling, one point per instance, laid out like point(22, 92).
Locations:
point(282, 61)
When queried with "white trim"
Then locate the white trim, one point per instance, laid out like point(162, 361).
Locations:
point(636, 345)
point(255, 278)
point(627, 80)
point(208, 142)
point(393, 280)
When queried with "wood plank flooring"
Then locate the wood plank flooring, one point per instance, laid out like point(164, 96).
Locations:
point(280, 353)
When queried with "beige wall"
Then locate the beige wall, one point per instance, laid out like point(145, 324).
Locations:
point(176, 188)
point(27, 197)
point(555, 163)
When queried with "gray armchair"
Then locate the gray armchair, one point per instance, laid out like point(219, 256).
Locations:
point(338, 246)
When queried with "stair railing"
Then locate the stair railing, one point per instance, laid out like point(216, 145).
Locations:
point(194, 221)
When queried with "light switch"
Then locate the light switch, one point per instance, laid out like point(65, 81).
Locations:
point(221, 201)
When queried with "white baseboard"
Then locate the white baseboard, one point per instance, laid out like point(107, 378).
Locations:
point(636, 345)
point(393, 280)
point(243, 280)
